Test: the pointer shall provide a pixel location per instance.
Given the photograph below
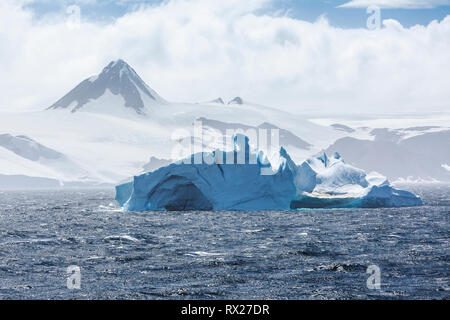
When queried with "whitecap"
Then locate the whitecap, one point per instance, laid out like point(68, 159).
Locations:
point(94, 258)
point(109, 208)
point(253, 231)
point(204, 254)
point(45, 240)
point(121, 237)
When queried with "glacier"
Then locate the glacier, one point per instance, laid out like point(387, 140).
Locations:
point(244, 179)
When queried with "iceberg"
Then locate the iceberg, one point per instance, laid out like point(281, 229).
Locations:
point(244, 179)
point(220, 182)
point(331, 183)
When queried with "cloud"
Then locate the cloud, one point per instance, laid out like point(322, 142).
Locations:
point(198, 50)
point(396, 4)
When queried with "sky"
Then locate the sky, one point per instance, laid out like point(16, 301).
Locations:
point(341, 13)
point(304, 56)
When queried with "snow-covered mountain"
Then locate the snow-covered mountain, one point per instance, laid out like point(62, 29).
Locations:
point(218, 101)
point(106, 128)
point(117, 85)
point(28, 148)
point(27, 163)
point(409, 154)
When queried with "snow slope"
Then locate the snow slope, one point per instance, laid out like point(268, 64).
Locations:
point(20, 155)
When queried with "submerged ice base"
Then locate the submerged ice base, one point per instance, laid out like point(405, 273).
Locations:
point(258, 185)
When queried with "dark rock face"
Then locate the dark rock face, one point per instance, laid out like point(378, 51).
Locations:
point(237, 100)
point(120, 79)
point(28, 148)
point(219, 101)
point(341, 127)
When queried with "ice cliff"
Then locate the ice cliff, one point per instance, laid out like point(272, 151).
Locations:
point(243, 179)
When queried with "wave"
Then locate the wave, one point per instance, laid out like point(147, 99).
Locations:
point(121, 238)
point(205, 254)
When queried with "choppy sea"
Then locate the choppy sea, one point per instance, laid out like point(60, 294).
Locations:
point(306, 254)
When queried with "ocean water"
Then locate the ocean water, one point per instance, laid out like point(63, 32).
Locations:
point(310, 254)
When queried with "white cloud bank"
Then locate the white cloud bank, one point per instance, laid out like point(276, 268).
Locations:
point(394, 4)
point(198, 50)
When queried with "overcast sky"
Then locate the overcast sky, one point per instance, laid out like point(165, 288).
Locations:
point(302, 56)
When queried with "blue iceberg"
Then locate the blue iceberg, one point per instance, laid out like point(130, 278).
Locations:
point(324, 182)
point(244, 180)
